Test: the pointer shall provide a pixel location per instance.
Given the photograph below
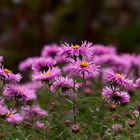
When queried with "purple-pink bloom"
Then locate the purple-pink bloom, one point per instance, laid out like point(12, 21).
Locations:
point(3, 110)
point(100, 49)
point(28, 112)
point(115, 95)
point(65, 84)
point(120, 79)
point(50, 51)
point(36, 110)
point(85, 50)
point(27, 63)
point(19, 93)
point(82, 69)
point(137, 83)
point(40, 125)
point(13, 117)
point(47, 76)
point(43, 64)
point(9, 76)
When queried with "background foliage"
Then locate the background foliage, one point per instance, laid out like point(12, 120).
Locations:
point(26, 25)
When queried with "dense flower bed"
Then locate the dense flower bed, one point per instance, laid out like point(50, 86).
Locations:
point(89, 74)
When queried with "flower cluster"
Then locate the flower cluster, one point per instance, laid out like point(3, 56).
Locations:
point(67, 70)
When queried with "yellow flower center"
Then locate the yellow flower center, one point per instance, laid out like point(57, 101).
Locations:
point(7, 71)
point(75, 47)
point(47, 73)
point(84, 64)
point(119, 75)
point(9, 115)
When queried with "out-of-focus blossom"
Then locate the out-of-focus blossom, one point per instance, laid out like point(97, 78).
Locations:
point(115, 95)
point(137, 83)
point(43, 64)
point(111, 76)
point(19, 93)
point(65, 84)
point(9, 76)
point(27, 63)
point(100, 49)
point(47, 76)
point(50, 51)
point(13, 117)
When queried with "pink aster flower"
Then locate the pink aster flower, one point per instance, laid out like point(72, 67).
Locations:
point(115, 95)
point(40, 125)
point(111, 76)
point(3, 110)
point(28, 112)
point(19, 92)
point(65, 84)
point(43, 64)
point(100, 49)
point(137, 83)
point(9, 76)
point(50, 51)
point(39, 111)
point(47, 76)
point(13, 117)
point(77, 51)
point(82, 69)
point(27, 63)
point(33, 85)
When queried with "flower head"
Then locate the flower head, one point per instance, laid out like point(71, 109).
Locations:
point(117, 78)
point(82, 69)
point(65, 84)
point(13, 117)
point(19, 93)
point(47, 76)
point(27, 63)
point(115, 95)
point(137, 83)
point(8, 76)
point(43, 64)
point(77, 51)
point(50, 51)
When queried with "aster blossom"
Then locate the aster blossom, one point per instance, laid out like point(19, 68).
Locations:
point(8, 76)
point(47, 76)
point(50, 51)
point(82, 69)
point(115, 95)
point(66, 85)
point(27, 63)
point(19, 93)
point(43, 64)
point(120, 79)
point(13, 117)
point(85, 50)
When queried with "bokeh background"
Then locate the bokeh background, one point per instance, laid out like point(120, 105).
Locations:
point(27, 25)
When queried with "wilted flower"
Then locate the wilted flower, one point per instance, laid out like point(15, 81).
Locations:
point(117, 128)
